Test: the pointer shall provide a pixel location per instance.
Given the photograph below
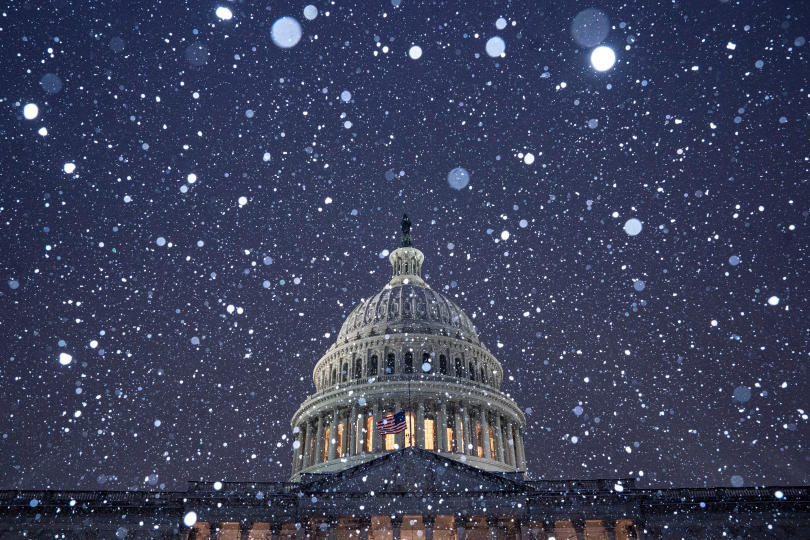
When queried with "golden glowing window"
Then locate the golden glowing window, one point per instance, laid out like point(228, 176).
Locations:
point(460, 439)
point(478, 439)
point(449, 439)
point(340, 440)
point(430, 433)
point(410, 436)
point(369, 424)
point(326, 444)
point(491, 443)
point(390, 441)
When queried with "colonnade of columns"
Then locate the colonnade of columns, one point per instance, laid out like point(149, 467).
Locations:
point(446, 427)
point(417, 527)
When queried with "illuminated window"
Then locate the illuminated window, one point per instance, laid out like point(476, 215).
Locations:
point(460, 438)
point(491, 443)
point(390, 441)
point(369, 424)
point(326, 444)
point(410, 436)
point(340, 440)
point(478, 440)
point(449, 438)
point(430, 434)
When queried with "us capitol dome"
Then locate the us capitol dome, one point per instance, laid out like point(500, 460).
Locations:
point(407, 348)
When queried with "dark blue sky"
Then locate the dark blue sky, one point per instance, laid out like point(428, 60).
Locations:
point(655, 355)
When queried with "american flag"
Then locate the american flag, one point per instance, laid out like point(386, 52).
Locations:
point(392, 424)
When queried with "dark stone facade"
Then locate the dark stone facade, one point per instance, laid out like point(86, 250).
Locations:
point(411, 494)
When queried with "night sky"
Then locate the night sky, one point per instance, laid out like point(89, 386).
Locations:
point(190, 210)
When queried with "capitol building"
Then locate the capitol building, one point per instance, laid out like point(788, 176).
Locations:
point(409, 348)
point(454, 467)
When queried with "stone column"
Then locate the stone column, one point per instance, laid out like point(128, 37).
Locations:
point(396, 526)
point(499, 455)
point(520, 448)
point(333, 427)
point(307, 444)
point(469, 434)
point(441, 436)
point(428, 522)
point(318, 442)
point(511, 447)
point(344, 427)
point(458, 443)
point(513, 431)
point(353, 425)
point(459, 524)
point(298, 452)
point(376, 439)
point(399, 438)
point(313, 447)
point(505, 432)
point(420, 424)
point(485, 434)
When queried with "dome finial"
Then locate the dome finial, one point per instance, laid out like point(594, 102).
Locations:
point(406, 232)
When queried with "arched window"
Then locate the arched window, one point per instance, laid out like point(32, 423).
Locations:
point(427, 363)
point(390, 364)
point(472, 371)
point(358, 368)
point(344, 372)
point(442, 365)
point(459, 368)
point(408, 362)
point(372, 366)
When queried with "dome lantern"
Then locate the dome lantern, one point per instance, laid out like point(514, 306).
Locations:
point(406, 260)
